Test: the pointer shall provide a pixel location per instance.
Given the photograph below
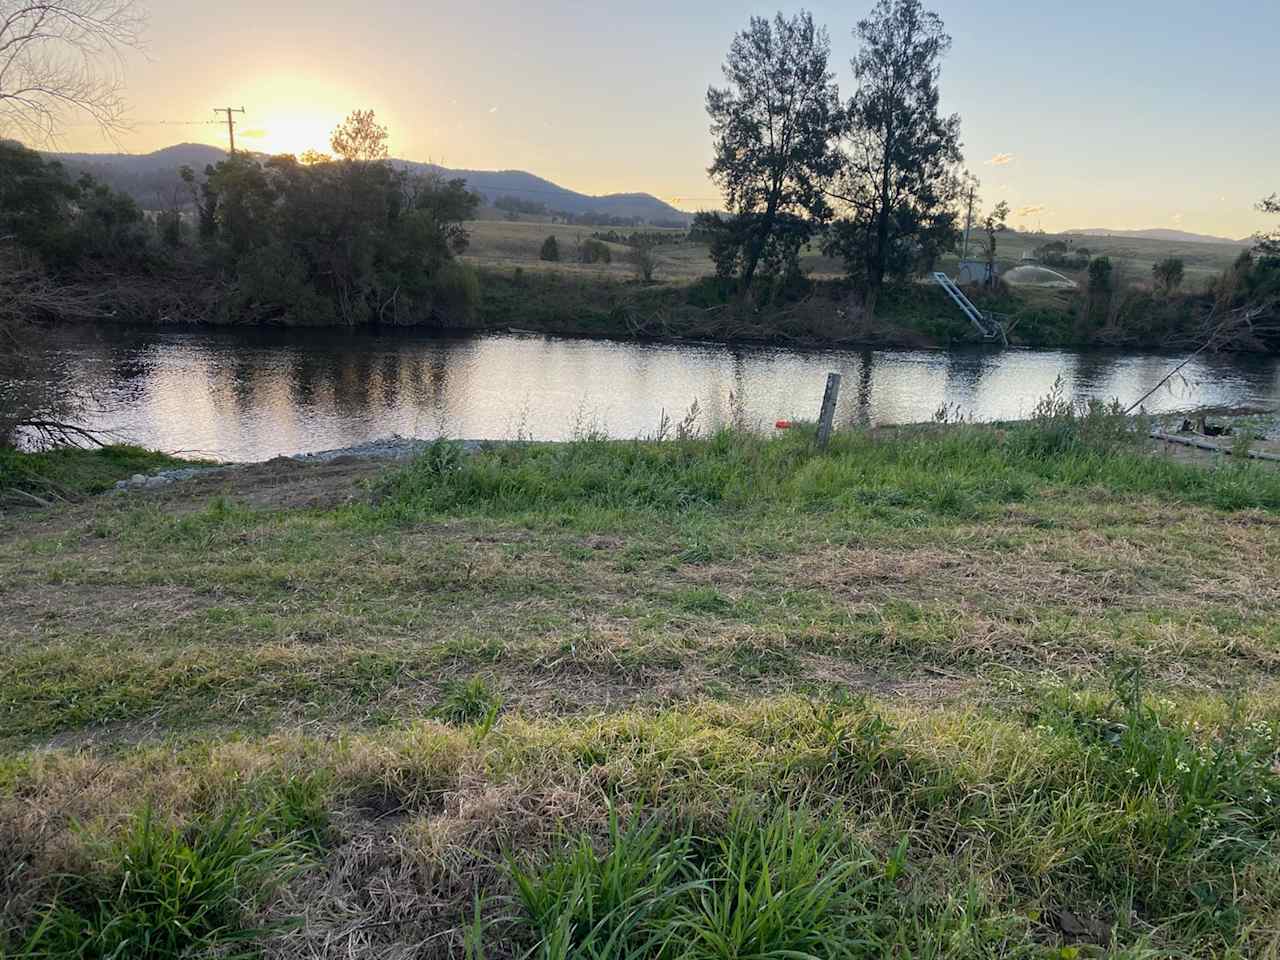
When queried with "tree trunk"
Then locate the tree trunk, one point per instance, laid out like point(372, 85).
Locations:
point(756, 246)
point(879, 263)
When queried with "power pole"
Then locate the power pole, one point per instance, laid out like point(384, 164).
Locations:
point(968, 222)
point(231, 124)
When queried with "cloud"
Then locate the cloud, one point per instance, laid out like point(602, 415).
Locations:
point(493, 109)
point(1030, 211)
point(1001, 159)
point(1177, 218)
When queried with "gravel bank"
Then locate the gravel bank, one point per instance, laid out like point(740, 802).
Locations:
point(385, 448)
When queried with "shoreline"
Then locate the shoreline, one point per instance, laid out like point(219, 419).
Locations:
point(395, 448)
point(812, 345)
point(911, 316)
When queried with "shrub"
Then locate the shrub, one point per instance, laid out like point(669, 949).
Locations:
point(593, 251)
point(644, 261)
point(456, 290)
point(169, 223)
point(273, 286)
point(550, 250)
point(1167, 274)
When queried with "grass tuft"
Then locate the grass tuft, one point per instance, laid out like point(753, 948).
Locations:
point(168, 893)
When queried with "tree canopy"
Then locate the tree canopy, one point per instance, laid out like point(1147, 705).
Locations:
point(899, 183)
point(353, 238)
point(774, 127)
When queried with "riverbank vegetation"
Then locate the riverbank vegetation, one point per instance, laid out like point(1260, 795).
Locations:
point(940, 691)
point(318, 240)
point(69, 473)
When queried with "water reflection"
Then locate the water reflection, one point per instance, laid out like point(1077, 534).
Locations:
point(252, 394)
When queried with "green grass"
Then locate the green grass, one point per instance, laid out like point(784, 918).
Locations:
point(166, 893)
point(959, 472)
point(69, 472)
point(946, 691)
point(778, 888)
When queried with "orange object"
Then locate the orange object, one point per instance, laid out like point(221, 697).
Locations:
point(783, 425)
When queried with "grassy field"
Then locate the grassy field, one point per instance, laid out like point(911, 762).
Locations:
point(498, 244)
point(1133, 257)
point(937, 692)
point(501, 244)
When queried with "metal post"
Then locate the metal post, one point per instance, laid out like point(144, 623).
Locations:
point(828, 413)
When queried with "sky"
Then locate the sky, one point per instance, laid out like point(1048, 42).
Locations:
point(1146, 113)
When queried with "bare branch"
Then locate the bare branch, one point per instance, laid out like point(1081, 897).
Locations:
point(62, 58)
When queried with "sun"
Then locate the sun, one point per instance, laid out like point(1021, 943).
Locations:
point(288, 112)
point(287, 132)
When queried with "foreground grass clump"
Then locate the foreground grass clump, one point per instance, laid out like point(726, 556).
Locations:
point(167, 893)
point(71, 472)
point(782, 887)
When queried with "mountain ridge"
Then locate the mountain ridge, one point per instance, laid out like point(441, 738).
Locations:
point(1159, 233)
point(148, 176)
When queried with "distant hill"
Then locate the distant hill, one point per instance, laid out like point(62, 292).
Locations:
point(152, 177)
point(493, 184)
point(1156, 233)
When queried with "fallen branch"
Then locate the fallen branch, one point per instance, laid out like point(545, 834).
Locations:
point(24, 495)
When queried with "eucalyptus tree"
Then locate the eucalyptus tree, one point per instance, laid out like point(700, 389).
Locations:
point(899, 183)
point(775, 125)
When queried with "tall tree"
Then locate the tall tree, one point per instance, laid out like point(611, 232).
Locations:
point(775, 126)
point(360, 138)
point(899, 183)
point(992, 224)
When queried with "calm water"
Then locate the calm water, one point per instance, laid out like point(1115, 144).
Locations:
point(252, 394)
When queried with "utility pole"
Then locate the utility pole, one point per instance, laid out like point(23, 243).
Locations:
point(968, 222)
point(231, 124)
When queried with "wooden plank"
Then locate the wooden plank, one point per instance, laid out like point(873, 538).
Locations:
point(826, 417)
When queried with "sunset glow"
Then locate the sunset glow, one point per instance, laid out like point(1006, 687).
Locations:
point(497, 86)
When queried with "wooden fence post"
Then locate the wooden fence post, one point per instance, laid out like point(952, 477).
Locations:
point(828, 413)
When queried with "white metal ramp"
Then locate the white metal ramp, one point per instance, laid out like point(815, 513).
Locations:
point(984, 323)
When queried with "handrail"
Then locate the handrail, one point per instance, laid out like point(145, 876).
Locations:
point(987, 325)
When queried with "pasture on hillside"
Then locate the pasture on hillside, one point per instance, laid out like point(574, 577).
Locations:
point(503, 244)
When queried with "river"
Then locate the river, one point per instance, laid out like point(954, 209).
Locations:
point(250, 394)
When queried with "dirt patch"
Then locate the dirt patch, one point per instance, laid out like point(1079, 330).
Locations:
point(276, 484)
point(279, 484)
point(30, 611)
